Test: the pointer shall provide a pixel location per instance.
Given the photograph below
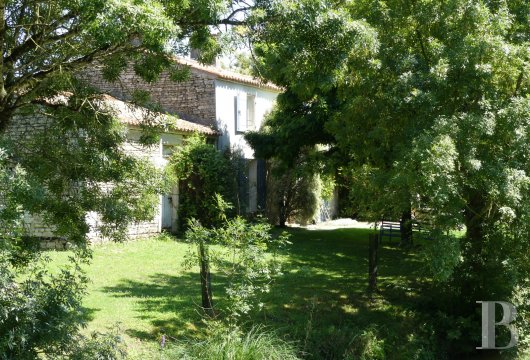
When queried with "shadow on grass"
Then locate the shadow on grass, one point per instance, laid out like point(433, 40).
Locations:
point(320, 301)
point(88, 314)
point(170, 303)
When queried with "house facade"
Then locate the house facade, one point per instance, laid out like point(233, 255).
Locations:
point(24, 127)
point(224, 101)
point(218, 104)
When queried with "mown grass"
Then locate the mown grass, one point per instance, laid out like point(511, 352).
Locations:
point(320, 302)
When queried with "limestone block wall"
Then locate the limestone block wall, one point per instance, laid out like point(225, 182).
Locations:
point(193, 99)
point(22, 128)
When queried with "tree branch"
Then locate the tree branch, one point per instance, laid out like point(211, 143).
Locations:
point(236, 11)
point(3, 92)
point(66, 64)
point(227, 21)
point(34, 41)
point(519, 82)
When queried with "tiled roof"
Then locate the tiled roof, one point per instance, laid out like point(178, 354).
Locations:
point(135, 115)
point(229, 75)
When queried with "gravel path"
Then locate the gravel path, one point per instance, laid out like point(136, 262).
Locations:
point(337, 224)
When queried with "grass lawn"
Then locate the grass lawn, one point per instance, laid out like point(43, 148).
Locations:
point(320, 302)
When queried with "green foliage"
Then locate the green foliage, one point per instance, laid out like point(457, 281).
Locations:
point(234, 344)
point(328, 185)
point(42, 40)
point(442, 254)
point(293, 193)
point(74, 166)
point(40, 313)
point(99, 346)
point(249, 261)
point(202, 173)
point(246, 260)
point(430, 111)
point(366, 346)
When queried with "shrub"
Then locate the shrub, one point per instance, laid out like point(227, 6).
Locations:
point(366, 346)
point(99, 346)
point(246, 259)
point(202, 172)
point(292, 192)
point(40, 311)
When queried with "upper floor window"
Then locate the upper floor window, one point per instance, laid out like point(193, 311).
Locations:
point(245, 112)
point(251, 112)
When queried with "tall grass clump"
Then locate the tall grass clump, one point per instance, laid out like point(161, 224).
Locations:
point(232, 344)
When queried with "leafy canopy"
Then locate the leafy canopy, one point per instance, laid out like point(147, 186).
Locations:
point(427, 107)
point(70, 165)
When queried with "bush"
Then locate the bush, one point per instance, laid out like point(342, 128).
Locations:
point(40, 311)
point(202, 173)
point(246, 259)
point(292, 193)
point(366, 346)
point(232, 344)
point(99, 346)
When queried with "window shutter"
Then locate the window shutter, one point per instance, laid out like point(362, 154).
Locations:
point(241, 112)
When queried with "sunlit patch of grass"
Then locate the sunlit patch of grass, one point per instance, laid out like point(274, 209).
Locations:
point(320, 303)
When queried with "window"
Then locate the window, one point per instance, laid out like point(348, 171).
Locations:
point(239, 112)
point(245, 112)
point(251, 105)
point(168, 150)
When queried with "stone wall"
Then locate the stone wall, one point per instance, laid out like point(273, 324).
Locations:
point(22, 128)
point(193, 99)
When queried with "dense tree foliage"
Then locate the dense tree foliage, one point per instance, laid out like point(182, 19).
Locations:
point(293, 193)
point(426, 105)
point(202, 173)
point(74, 165)
point(205, 180)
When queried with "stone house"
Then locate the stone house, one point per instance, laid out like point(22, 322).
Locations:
point(24, 127)
point(228, 102)
point(220, 104)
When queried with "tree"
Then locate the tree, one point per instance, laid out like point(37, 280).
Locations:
point(205, 179)
point(247, 259)
point(202, 173)
point(41, 40)
point(293, 193)
point(64, 173)
point(427, 107)
point(45, 44)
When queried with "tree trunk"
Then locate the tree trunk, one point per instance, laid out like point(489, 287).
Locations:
point(406, 228)
point(206, 281)
point(282, 209)
point(373, 259)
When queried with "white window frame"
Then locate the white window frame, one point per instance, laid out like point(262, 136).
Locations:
point(251, 112)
